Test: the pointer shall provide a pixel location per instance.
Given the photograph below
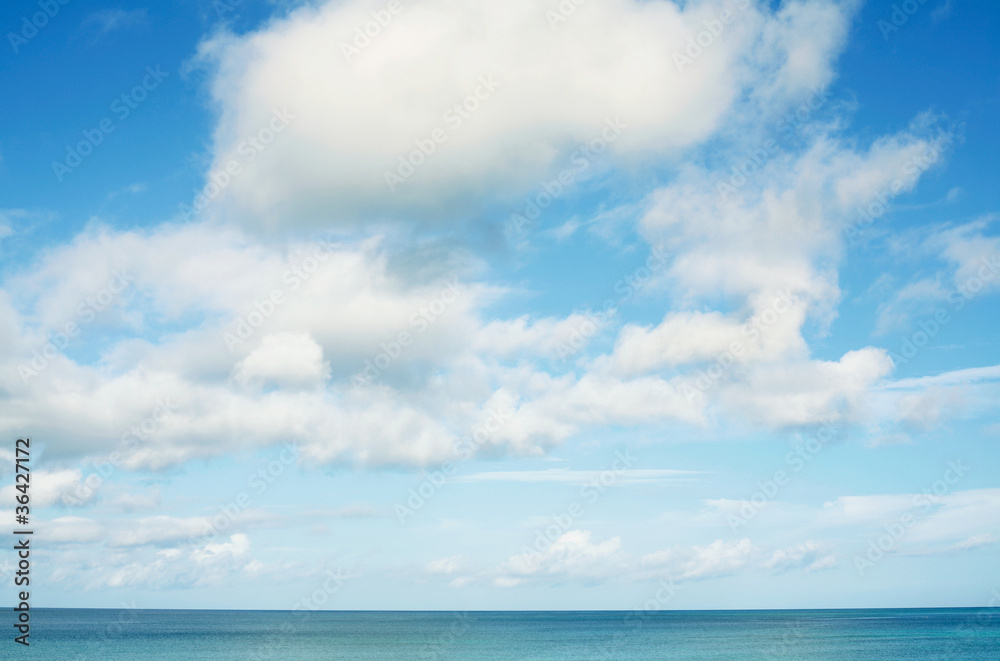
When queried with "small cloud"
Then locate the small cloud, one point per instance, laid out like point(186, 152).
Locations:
point(128, 501)
point(358, 511)
point(572, 555)
point(882, 285)
point(71, 530)
point(133, 189)
point(53, 487)
point(109, 20)
point(284, 359)
point(237, 545)
point(565, 230)
point(943, 11)
point(975, 542)
point(8, 219)
point(567, 476)
point(22, 221)
point(808, 557)
point(720, 558)
point(445, 566)
point(924, 411)
point(888, 439)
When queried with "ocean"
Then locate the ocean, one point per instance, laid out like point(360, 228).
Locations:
point(971, 634)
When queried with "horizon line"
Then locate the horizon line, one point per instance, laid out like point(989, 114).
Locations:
point(592, 610)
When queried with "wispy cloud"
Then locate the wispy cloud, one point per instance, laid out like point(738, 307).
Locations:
point(131, 189)
point(106, 21)
point(567, 476)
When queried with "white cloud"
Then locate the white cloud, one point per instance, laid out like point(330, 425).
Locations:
point(976, 541)
point(541, 337)
point(296, 366)
point(131, 501)
point(865, 510)
point(159, 530)
point(554, 408)
point(973, 254)
point(567, 476)
point(720, 558)
point(924, 404)
point(70, 530)
point(808, 556)
point(810, 392)
point(972, 259)
point(291, 377)
point(766, 248)
point(951, 378)
point(328, 322)
point(52, 487)
point(330, 159)
point(572, 555)
point(210, 564)
point(781, 227)
point(940, 519)
point(237, 546)
point(925, 410)
point(284, 359)
point(446, 566)
point(109, 20)
point(575, 555)
point(697, 337)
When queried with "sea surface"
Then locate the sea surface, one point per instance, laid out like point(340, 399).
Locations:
point(192, 635)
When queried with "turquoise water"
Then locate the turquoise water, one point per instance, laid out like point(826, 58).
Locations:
point(834, 635)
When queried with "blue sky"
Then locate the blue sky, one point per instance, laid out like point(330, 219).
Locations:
point(745, 344)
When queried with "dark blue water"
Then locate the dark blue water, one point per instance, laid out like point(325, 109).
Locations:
point(834, 635)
